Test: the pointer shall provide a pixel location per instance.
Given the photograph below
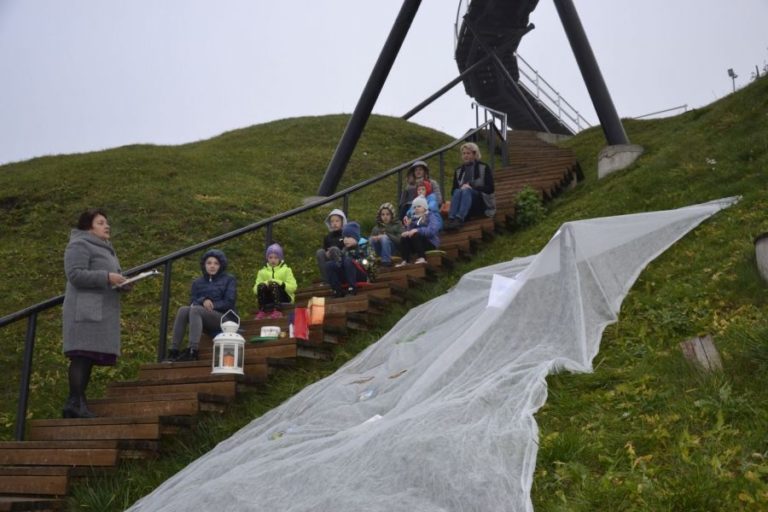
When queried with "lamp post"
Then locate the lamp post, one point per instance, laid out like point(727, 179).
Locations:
point(733, 78)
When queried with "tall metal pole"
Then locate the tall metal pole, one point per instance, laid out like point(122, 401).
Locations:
point(590, 71)
point(368, 98)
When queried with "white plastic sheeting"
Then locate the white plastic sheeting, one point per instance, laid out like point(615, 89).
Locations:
point(438, 414)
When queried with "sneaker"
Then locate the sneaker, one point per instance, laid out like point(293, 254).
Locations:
point(420, 261)
point(276, 314)
point(402, 264)
point(385, 263)
point(261, 315)
point(173, 355)
point(351, 290)
point(338, 293)
point(189, 354)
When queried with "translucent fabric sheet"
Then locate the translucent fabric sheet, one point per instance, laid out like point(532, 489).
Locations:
point(438, 414)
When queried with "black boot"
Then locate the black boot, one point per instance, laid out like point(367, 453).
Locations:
point(76, 407)
point(173, 355)
point(83, 411)
point(71, 407)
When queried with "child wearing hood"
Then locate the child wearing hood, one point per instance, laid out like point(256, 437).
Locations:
point(349, 269)
point(275, 284)
point(335, 222)
point(420, 234)
point(212, 295)
point(385, 235)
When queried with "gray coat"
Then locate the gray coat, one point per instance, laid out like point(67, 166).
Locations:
point(91, 316)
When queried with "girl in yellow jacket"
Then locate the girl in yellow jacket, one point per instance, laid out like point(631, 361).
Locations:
point(275, 284)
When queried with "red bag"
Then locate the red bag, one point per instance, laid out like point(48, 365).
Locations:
point(301, 323)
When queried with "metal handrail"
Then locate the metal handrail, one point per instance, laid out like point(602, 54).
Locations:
point(31, 312)
point(495, 114)
point(684, 108)
point(539, 86)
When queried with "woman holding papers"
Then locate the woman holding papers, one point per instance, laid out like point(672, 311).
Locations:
point(91, 313)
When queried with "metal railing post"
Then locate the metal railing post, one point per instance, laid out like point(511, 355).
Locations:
point(26, 373)
point(268, 239)
point(165, 301)
point(442, 176)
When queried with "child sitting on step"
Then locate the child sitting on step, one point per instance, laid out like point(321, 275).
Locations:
point(385, 235)
point(275, 284)
point(349, 266)
point(213, 294)
point(333, 242)
point(424, 189)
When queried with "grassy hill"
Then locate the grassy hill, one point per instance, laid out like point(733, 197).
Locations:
point(645, 431)
point(161, 199)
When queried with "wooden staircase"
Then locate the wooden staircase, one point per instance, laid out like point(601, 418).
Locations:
point(135, 417)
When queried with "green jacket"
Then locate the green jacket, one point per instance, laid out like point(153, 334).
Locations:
point(393, 230)
point(282, 274)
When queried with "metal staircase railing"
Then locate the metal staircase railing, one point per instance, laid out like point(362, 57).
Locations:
point(549, 98)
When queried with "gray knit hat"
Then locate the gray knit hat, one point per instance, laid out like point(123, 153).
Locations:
point(420, 201)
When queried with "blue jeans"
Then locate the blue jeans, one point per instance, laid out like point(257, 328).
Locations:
point(461, 203)
point(384, 248)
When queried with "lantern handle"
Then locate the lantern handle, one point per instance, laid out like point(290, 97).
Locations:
point(221, 320)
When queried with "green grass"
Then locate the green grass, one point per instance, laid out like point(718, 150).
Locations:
point(646, 431)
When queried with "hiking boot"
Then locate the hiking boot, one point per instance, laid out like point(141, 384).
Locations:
point(189, 354)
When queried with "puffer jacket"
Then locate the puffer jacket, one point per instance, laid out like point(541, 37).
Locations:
point(221, 288)
point(281, 274)
point(428, 226)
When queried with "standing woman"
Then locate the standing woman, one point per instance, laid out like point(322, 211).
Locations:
point(91, 313)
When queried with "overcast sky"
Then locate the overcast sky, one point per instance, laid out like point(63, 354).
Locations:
point(84, 75)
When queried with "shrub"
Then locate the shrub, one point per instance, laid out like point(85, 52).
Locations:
point(528, 208)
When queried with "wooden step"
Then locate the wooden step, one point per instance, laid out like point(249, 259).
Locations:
point(275, 349)
point(170, 404)
point(41, 480)
point(137, 427)
point(59, 453)
point(254, 367)
point(222, 385)
point(21, 504)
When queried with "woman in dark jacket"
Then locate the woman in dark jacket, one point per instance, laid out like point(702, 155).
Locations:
point(473, 188)
point(213, 294)
point(91, 313)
